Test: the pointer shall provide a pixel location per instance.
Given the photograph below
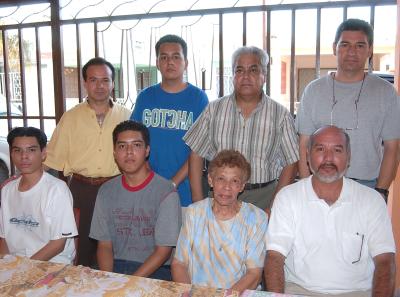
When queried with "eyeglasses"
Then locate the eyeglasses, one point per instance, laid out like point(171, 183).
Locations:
point(253, 70)
point(334, 102)
point(362, 243)
point(224, 182)
point(356, 112)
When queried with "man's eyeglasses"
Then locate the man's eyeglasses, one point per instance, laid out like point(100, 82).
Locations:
point(356, 115)
point(253, 70)
point(334, 102)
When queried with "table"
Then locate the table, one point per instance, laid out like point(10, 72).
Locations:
point(24, 277)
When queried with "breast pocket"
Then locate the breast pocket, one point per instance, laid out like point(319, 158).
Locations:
point(353, 245)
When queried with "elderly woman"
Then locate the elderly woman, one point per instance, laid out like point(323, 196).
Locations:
point(221, 243)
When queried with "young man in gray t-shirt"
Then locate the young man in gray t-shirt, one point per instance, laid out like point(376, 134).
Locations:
point(137, 216)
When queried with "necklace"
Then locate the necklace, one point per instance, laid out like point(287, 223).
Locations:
point(100, 118)
point(334, 101)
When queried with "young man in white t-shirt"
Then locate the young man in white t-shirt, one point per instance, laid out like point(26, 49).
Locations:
point(36, 214)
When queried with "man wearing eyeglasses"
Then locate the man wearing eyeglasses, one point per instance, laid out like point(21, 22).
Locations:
point(363, 104)
point(253, 124)
point(329, 234)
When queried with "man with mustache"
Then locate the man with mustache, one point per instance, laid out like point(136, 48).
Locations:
point(252, 123)
point(329, 235)
point(366, 106)
point(81, 147)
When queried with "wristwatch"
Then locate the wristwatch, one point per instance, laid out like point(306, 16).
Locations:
point(383, 192)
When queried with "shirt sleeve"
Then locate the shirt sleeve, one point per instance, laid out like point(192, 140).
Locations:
point(100, 220)
point(290, 142)
point(184, 246)
point(169, 221)
point(198, 136)
point(304, 123)
point(137, 114)
point(58, 147)
point(256, 242)
point(61, 212)
point(380, 236)
point(391, 122)
point(281, 228)
point(203, 102)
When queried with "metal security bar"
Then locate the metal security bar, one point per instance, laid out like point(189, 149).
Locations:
point(60, 80)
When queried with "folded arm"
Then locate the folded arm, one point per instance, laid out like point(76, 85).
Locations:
point(180, 272)
point(273, 272)
point(249, 281)
point(3, 247)
point(384, 275)
point(154, 261)
point(105, 255)
point(50, 250)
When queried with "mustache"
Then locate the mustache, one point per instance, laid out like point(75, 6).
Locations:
point(328, 165)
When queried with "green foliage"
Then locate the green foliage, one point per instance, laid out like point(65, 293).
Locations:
point(13, 51)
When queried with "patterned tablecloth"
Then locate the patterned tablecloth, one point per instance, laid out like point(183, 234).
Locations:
point(23, 277)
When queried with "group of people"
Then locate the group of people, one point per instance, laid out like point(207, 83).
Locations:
point(135, 179)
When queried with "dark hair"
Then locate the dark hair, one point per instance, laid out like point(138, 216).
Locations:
point(27, 132)
point(355, 25)
point(230, 158)
point(131, 126)
point(97, 61)
point(170, 38)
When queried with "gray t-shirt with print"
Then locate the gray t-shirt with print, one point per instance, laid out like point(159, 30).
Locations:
point(376, 118)
point(136, 219)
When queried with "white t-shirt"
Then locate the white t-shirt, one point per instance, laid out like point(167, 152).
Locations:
point(30, 219)
point(330, 249)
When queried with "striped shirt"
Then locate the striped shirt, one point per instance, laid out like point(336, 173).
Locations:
point(267, 138)
point(218, 253)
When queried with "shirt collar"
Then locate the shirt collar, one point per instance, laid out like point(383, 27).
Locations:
point(259, 106)
point(110, 101)
point(344, 196)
